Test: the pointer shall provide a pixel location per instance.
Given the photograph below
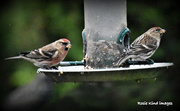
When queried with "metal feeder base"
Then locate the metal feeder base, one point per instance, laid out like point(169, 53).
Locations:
point(80, 74)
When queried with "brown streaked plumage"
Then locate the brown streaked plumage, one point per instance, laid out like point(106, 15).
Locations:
point(47, 56)
point(144, 46)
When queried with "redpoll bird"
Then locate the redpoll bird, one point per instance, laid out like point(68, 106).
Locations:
point(144, 46)
point(47, 56)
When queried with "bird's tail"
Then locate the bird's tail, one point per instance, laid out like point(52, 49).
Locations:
point(15, 57)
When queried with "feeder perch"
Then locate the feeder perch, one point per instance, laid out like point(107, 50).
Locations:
point(105, 38)
point(77, 73)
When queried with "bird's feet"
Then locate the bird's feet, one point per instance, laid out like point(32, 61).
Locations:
point(49, 68)
point(54, 67)
point(150, 61)
point(125, 64)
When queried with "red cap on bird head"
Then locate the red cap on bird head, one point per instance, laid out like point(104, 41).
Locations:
point(65, 40)
point(156, 27)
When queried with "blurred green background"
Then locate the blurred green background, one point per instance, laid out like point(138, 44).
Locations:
point(30, 24)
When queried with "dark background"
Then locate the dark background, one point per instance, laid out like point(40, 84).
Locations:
point(30, 24)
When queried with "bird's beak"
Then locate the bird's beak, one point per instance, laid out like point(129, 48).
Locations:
point(68, 46)
point(162, 31)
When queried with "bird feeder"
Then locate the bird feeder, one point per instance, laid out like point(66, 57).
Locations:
point(105, 37)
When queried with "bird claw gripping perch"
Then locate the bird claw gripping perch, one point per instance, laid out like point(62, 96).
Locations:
point(148, 61)
point(145, 62)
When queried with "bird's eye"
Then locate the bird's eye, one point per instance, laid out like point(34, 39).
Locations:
point(64, 43)
point(157, 30)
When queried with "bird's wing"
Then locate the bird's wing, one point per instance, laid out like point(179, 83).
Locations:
point(144, 44)
point(40, 54)
point(138, 39)
point(139, 49)
point(51, 53)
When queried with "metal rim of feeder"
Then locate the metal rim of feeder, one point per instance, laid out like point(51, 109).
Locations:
point(77, 66)
point(79, 74)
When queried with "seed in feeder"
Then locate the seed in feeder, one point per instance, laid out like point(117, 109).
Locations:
point(106, 48)
point(91, 60)
point(124, 50)
point(98, 59)
point(89, 67)
point(86, 57)
point(101, 41)
point(86, 67)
